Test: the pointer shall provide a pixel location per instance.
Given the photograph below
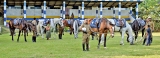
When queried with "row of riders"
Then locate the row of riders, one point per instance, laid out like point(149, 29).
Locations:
point(92, 27)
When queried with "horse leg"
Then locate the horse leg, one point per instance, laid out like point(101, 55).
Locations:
point(122, 43)
point(135, 32)
point(19, 35)
point(92, 37)
point(142, 33)
point(12, 33)
point(27, 32)
point(25, 35)
point(121, 33)
point(99, 41)
point(42, 30)
point(105, 40)
point(127, 37)
point(22, 33)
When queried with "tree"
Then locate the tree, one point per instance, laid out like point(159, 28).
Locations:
point(150, 8)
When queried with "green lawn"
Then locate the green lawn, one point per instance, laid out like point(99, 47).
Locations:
point(69, 47)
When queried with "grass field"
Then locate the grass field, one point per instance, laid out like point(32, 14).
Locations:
point(69, 47)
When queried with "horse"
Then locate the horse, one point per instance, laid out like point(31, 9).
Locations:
point(18, 24)
point(42, 23)
point(69, 23)
point(123, 29)
point(138, 25)
point(104, 26)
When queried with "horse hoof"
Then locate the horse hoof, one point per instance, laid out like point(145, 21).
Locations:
point(97, 47)
point(121, 44)
point(131, 44)
point(105, 47)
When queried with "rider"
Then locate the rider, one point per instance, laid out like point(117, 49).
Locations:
point(85, 27)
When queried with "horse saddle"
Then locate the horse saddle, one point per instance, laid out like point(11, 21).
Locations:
point(45, 22)
point(16, 21)
point(141, 22)
point(70, 22)
point(93, 23)
point(120, 22)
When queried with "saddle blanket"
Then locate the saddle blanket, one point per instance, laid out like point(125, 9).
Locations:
point(119, 24)
point(78, 21)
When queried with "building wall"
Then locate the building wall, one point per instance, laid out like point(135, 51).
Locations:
point(55, 13)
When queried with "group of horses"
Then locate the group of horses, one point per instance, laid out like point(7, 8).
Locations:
point(99, 26)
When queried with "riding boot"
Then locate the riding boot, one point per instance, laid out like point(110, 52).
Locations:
point(83, 46)
point(87, 47)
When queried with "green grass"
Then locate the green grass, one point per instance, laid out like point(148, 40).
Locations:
point(69, 47)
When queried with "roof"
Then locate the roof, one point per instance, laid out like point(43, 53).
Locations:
point(87, 3)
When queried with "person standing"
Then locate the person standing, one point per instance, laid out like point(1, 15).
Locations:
point(149, 33)
point(86, 29)
point(34, 22)
point(48, 32)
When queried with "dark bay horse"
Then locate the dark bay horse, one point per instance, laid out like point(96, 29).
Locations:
point(138, 25)
point(21, 24)
point(104, 26)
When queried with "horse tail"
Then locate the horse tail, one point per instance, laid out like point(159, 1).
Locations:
point(75, 28)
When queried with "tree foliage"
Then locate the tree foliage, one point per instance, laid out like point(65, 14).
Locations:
point(150, 8)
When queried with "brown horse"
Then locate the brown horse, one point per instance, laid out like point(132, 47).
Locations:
point(22, 25)
point(105, 25)
point(66, 24)
point(70, 25)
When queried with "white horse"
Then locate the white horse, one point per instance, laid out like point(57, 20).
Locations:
point(123, 31)
point(53, 22)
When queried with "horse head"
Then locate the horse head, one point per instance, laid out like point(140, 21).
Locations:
point(32, 27)
point(61, 22)
point(105, 23)
point(48, 21)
